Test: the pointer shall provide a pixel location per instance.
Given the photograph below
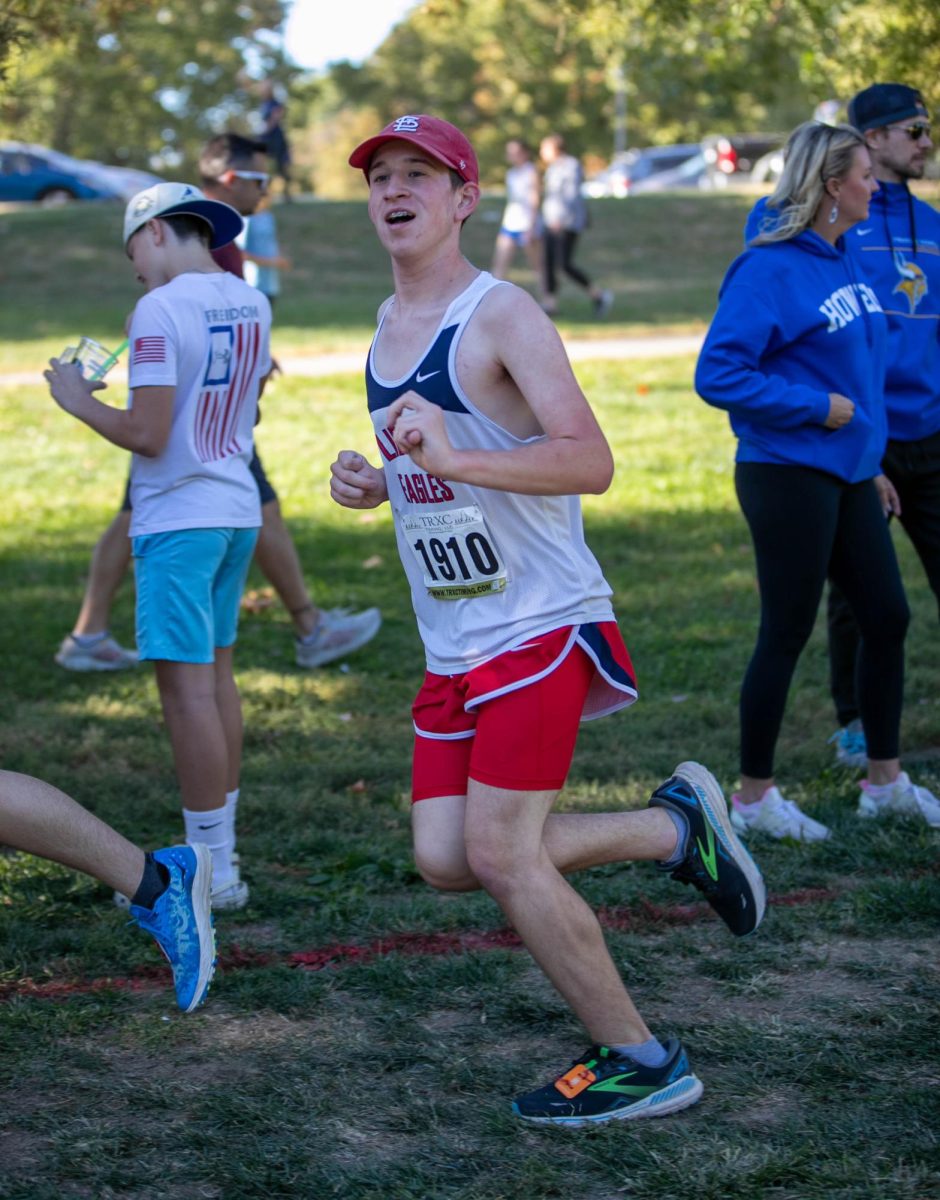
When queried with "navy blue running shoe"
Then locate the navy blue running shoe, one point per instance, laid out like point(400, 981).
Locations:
point(181, 921)
point(715, 860)
point(607, 1086)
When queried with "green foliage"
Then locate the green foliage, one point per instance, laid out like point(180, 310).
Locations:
point(521, 68)
point(137, 82)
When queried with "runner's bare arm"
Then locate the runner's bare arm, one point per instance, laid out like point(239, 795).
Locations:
point(356, 484)
point(143, 428)
point(573, 458)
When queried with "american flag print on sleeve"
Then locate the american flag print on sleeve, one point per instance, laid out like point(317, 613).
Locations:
point(230, 380)
point(149, 350)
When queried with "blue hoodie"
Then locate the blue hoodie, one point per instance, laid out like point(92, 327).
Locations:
point(794, 324)
point(897, 251)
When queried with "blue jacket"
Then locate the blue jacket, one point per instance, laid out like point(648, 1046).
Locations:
point(897, 251)
point(794, 324)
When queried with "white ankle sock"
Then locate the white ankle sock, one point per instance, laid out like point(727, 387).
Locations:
point(211, 828)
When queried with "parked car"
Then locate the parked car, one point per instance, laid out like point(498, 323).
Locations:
point(628, 171)
point(736, 154)
point(768, 168)
point(692, 174)
point(37, 173)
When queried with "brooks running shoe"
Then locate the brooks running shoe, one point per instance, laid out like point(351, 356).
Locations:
point(181, 921)
point(715, 862)
point(607, 1086)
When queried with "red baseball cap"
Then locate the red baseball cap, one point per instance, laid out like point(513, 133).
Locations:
point(438, 138)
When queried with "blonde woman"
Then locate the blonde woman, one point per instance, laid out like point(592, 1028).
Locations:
point(796, 356)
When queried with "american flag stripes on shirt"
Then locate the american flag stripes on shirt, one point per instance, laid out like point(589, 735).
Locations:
point(149, 350)
point(219, 408)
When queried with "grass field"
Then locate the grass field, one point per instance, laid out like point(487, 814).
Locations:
point(363, 1032)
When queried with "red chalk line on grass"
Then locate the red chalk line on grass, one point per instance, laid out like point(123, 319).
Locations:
point(642, 916)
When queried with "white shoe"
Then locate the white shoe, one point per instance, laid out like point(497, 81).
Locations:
point(338, 632)
point(104, 655)
point(232, 896)
point(903, 798)
point(777, 818)
point(603, 303)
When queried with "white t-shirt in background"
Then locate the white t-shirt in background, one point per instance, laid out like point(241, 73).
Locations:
point(208, 336)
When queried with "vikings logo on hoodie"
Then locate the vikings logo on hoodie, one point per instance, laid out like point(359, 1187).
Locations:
point(913, 281)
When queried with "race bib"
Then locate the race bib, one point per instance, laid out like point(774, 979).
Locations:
point(455, 553)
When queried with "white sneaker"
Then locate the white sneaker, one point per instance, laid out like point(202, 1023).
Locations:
point(777, 818)
point(232, 896)
point(104, 655)
point(903, 797)
point(338, 632)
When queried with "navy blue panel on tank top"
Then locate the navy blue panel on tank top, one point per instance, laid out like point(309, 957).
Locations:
point(431, 379)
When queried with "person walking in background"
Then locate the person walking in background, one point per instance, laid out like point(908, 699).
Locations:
point(521, 223)
point(169, 889)
point(898, 253)
point(263, 260)
point(796, 356)
point(487, 443)
point(564, 217)
point(272, 113)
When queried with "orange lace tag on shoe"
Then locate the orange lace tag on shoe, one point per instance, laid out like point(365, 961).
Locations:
point(575, 1081)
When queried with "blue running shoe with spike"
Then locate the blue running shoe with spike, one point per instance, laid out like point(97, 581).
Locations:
point(181, 921)
point(715, 861)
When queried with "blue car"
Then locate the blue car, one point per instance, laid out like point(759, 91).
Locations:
point(36, 173)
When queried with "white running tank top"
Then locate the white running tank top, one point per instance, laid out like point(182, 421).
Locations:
point(488, 569)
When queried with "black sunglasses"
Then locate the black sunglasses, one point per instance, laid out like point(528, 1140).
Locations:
point(914, 132)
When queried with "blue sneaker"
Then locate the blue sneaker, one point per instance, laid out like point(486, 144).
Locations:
point(715, 861)
point(181, 921)
point(851, 747)
point(606, 1086)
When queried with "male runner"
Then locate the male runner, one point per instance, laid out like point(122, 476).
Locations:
point(487, 441)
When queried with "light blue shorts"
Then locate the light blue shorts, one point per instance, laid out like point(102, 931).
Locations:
point(189, 588)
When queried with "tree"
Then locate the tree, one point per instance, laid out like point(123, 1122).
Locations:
point(520, 68)
point(137, 82)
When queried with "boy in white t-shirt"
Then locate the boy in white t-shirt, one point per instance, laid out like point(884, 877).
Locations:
point(199, 358)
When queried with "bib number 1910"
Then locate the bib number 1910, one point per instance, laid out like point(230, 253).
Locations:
point(455, 553)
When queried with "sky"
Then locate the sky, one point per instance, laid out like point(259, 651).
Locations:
point(322, 31)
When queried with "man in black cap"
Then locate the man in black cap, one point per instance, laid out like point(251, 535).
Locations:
point(898, 248)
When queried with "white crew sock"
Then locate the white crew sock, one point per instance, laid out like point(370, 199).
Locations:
point(211, 828)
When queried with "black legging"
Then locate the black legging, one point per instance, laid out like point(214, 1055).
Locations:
point(559, 250)
point(914, 469)
point(806, 525)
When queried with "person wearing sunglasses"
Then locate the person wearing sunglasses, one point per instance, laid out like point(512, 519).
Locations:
point(898, 250)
